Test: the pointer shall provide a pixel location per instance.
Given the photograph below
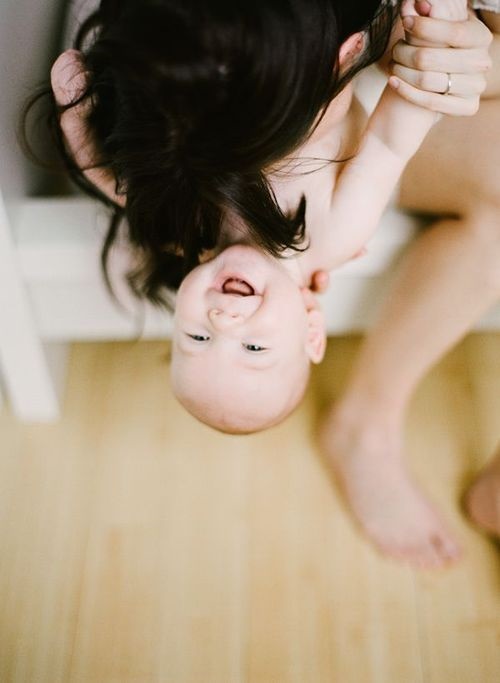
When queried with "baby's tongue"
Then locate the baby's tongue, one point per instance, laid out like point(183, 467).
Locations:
point(239, 287)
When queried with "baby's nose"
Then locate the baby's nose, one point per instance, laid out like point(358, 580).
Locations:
point(227, 309)
point(223, 320)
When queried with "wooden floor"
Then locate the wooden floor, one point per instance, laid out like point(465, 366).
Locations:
point(138, 546)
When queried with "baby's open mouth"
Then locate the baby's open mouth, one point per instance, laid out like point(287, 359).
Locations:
point(233, 285)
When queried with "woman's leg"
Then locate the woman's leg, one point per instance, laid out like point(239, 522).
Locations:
point(449, 278)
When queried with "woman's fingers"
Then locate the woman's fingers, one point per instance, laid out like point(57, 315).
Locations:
point(441, 103)
point(463, 34)
point(442, 64)
point(452, 10)
point(407, 8)
point(67, 77)
point(69, 80)
point(423, 7)
point(462, 85)
point(445, 60)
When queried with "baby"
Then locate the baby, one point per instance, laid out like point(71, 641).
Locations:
point(246, 326)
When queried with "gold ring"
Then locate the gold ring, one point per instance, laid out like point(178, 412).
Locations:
point(448, 87)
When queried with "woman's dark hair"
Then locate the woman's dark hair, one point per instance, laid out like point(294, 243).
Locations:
point(193, 99)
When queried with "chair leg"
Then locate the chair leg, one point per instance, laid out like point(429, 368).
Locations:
point(32, 375)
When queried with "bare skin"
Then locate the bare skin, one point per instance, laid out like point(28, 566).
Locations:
point(483, 498)
point(356, 446)
point(455, 173)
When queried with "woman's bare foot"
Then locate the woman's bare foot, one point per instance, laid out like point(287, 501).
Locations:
point(482, 500)
point(388, 505)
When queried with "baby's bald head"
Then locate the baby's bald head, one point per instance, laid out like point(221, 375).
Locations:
point(245, 334)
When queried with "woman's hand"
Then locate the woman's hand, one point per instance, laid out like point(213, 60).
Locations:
point(442, 65)
point(68, 80)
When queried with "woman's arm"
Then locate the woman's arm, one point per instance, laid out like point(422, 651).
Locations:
point(394, 133)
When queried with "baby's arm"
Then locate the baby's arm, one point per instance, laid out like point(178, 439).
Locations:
point(394, 133)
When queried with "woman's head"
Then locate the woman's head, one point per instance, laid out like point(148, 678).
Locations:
point(194, 99)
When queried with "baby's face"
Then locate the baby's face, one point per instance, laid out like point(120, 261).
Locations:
point(244, 334)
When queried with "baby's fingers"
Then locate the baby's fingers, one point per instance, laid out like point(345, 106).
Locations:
point(440, 103)
point(320, 281)
point(463, 34)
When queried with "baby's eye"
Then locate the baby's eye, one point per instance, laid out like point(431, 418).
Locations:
point(254, 347)
point(198, 337)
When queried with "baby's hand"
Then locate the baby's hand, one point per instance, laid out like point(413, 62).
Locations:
point(442, 64)
point(451, 10)
point(320, 281)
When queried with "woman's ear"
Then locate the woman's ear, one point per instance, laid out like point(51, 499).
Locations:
point(351, 48)
point(316, 335)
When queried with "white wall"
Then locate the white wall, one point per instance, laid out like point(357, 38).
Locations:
point(29, 31)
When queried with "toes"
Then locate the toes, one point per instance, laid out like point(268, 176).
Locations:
point(432, 552)
point(417, 555)
point(426, 556)
point(447, 549)
point(431, 557)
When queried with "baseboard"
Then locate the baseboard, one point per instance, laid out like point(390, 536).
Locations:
point(58, 243)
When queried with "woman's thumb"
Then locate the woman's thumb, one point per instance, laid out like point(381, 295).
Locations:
point(68, 77)
point(423, 7)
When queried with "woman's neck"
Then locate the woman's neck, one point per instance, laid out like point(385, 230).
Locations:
point(332, 124)
point(325, 142)
point(336, 136)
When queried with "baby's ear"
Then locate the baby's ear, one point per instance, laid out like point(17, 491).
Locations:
point(316, 335)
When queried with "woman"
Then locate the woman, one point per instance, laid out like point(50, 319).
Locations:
point(363, 432)
point(447, 281)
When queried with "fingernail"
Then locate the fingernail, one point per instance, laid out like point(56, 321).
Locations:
point(408, 23)
point(394, 82)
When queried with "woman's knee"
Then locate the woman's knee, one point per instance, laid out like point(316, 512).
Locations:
point(483, 226)
point(487, 193)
